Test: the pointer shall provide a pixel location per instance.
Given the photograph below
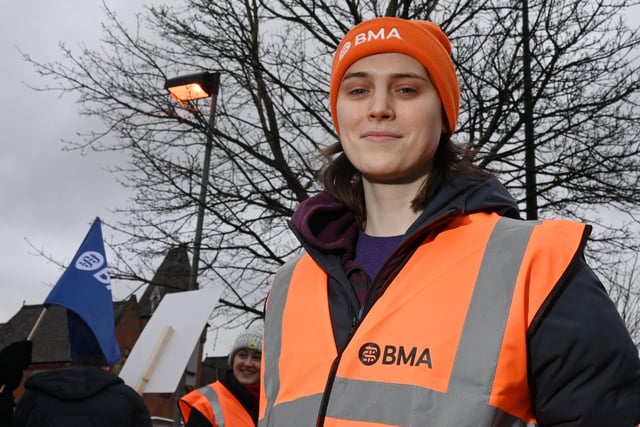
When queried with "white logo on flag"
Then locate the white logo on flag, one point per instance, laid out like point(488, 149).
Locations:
point(91, 261)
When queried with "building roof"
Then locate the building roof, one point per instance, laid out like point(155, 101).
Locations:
point(50, 339)
point(172, 276)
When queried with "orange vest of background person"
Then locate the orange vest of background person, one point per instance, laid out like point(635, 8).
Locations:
point(445, 345)
point(217, 403)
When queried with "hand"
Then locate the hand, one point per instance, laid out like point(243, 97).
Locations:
point(14, 359)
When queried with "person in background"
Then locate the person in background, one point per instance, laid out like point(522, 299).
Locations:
point(14, 359)
point(232, 400)
point(430, 301)
point(83, 394)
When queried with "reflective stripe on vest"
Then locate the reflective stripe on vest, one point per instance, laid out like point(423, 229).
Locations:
point(271, 383)
point(214, 401)
point(472, 374)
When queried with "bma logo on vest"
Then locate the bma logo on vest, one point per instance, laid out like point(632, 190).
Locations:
point(394, 355)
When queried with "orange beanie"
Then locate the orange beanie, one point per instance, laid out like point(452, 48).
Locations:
point(422, 40)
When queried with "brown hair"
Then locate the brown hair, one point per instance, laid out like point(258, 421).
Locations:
point(344, 182)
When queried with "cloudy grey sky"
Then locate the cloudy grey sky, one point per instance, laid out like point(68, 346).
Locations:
point(50, 197)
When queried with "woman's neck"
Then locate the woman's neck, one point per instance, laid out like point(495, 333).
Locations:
point(389, 211)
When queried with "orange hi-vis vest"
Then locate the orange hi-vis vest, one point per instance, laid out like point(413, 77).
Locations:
point(218, 404)
point(445, 345)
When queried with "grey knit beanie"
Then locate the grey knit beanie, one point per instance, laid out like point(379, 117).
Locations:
point(250, 338)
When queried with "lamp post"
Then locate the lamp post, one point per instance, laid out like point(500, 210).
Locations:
point(184, 89)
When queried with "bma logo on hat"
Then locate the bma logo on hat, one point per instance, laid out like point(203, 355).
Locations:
point(344, 50)
point(369, 36)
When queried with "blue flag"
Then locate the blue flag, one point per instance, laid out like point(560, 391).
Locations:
point(85, 289)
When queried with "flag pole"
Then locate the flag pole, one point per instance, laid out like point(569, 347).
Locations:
point(37, 324)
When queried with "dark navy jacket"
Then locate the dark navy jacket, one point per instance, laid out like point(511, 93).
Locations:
point(80, 396)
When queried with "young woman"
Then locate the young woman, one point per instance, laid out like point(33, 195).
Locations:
point(431, 303)
point(232, 401)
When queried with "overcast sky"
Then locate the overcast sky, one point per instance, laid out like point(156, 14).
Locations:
point(48, 197)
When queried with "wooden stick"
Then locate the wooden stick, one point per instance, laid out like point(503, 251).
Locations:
point(37, 324)
point(153, 360)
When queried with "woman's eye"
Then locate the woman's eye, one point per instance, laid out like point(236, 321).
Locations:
point(407, 90)
point(357, 91)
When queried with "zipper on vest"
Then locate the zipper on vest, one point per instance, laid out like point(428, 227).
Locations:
point(331, 376)
point(322, 412)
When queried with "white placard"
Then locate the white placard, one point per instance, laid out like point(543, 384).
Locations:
point(161, 353)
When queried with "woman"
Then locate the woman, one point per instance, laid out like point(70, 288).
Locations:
point(232, 401)
point(431, 303)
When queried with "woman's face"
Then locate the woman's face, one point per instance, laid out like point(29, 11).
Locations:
point(390, 118)
point(246, 366)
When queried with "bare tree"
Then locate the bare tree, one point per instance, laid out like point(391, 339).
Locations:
point(273, 119)
point(624, 290)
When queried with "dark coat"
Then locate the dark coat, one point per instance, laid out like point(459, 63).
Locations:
point(80, 396)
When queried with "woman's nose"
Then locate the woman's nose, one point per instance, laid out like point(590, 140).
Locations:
point(380, 107)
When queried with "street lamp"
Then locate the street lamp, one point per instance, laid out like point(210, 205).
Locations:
point(189, 88)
